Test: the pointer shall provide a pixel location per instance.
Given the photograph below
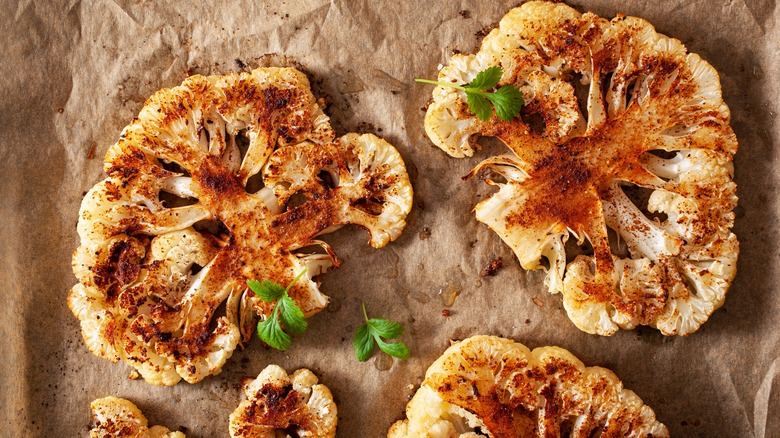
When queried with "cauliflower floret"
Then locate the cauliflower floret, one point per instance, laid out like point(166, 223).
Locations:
point(114, 417)
point(200, 198)
point(486, 385)
point(366, 172)
point(277, 403)
point(655, 120)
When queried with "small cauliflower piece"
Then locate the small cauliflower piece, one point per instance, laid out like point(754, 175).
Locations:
point(114, 417)
point(486, 385)
point(218, 181)
point(655, 120)
point(278, 405)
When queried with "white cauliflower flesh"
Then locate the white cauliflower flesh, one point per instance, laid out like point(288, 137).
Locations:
point(282, 406)
point(649, 162)
point(221, 180)
point(491, 386)
point(114, 417)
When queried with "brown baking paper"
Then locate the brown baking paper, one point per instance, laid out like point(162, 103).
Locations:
point(74, 74)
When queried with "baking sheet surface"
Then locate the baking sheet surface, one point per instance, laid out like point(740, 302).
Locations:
point(74, 74)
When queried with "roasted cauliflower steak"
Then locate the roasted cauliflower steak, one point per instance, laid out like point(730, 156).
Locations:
point(114, 417)
point(637, 166)
point(217, 181)
point(278, 405)
point(486, 385)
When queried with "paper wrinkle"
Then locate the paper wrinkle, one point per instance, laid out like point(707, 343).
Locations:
point(761, 403)
point(121, 13)
point(312, 22)
point(105, 58)
point(733, 393)
point(760, 17)
point(21, 7)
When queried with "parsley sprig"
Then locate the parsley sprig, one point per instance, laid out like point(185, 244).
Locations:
point(286, 315)
point(371, 333)
point(507, 100)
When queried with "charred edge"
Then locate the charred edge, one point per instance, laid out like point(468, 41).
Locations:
point(318, 209)
point(216, 180)
point(551, 406)
point(277, 406)
point(126, 166)
point(276, 99)
point(290, 217)
point(130, 226)
point(120, 268)
point(193, 345)
point(130, 302)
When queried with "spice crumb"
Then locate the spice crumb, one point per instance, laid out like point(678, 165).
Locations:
point(492, 267)
point(538, 301)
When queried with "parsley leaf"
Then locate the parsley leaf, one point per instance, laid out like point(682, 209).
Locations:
point(286, 315)
point(385, 328)
point(270, 332)
point(487, 78)
point(267, 290)
point(292, 315)
point(371, 333)
point(507, 99)
point(363, 343)
point(397, 349)
point(479, 105)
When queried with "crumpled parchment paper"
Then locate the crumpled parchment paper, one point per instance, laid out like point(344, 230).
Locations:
point(75, 73)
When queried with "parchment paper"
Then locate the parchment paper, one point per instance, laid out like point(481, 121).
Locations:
point(74, 74)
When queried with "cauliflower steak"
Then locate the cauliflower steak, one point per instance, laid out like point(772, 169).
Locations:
point(217, 181)
point(486, 385)
point(637, 166)
point(114, 417)
point(280, 406)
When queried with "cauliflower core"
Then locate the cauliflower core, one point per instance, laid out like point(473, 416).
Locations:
point(221, 180)
point(281, 406)
point(114, 417)
point(648, 167)
point(486, 385)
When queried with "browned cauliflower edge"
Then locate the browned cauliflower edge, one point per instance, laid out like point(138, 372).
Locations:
point(486, 385)
point(114, 417)
point(278, 405)
point(217, 181)
point(641, 176)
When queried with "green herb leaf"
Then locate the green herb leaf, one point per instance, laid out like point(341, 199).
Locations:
point(291, 315)
point(372, 332)
point(363, 343)
point(397, 349)
point(272, 334)
point(507, 100)
point(267, 290)
point(487, 78)
point(386, 329)
point(479, 105)
point(285, 313)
